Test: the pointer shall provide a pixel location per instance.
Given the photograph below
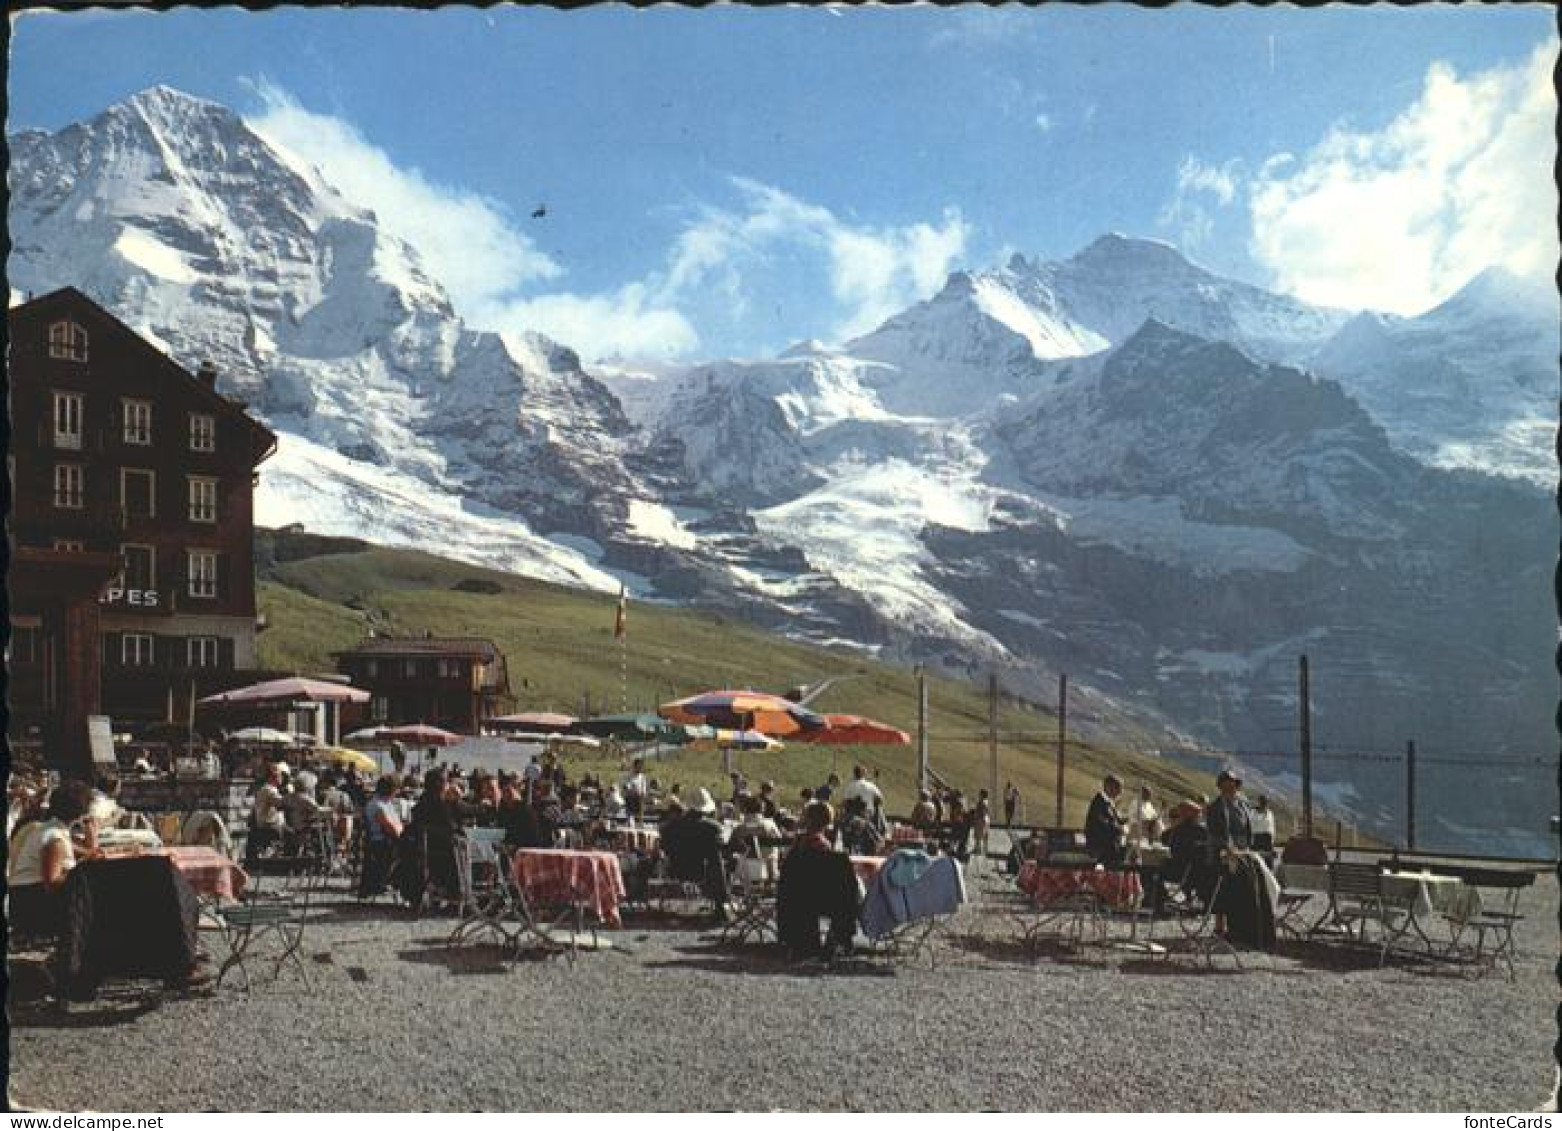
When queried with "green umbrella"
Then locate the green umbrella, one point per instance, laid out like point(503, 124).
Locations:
point(632, 728)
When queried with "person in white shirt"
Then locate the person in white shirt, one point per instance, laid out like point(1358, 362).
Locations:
point(861, 787)
point(40, 857)
point(1263, 820)
point(757, 863)
point(636, 787)
point(1146, 819)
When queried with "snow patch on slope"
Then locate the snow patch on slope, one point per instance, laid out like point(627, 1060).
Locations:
point(331, 494)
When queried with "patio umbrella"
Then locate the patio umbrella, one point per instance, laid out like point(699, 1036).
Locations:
point(265, 735)
point(366, 736)
point(293, 689)
point(854, 730)
point(534, 722)
point(420, 734)
point(723, 739)
point(631, 728)
point(348, 759)
point(744, 710)
point(582, 740)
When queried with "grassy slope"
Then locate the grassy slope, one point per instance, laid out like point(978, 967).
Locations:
point(560, 648)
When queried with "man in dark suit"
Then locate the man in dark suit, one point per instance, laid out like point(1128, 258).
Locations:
point(1104, 824)
point(692, 845)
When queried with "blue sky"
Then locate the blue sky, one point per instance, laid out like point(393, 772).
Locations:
point(729, 181)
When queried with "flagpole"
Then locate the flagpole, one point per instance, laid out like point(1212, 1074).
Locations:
point(621, 630)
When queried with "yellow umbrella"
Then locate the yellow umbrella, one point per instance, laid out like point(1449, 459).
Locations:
point(348, 759)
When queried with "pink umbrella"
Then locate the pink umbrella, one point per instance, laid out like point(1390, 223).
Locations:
point(534, 722)
point(420, 734)
point(293, 689)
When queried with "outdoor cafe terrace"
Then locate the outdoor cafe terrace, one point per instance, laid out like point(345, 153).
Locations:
point(661, 950)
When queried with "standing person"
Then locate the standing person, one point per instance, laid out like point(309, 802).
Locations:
point(1263, 819)
point(398, 757)
point(1228, 818)
point(381, 831)
point(1147, 818)
point(981, 823)
point(861, 787)
point(826, 791)
point(1104, 824)
point(692, 845)
point(636, 787)
point(1011, 802)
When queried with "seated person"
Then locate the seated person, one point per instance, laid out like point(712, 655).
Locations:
point(381, 831)
point(858, 835)
point(41, 855)
point(756, 863)
point(1104, 825)
point(923, 814)
point(691, 842)
point(518, 819)
point(1188, 864)
point(428, 843)
point(547, 810)
point(267, 819)
point(816, 883)
point(300, 810)
point(767, 799)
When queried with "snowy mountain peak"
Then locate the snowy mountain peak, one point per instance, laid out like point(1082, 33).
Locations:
point(1115, 252)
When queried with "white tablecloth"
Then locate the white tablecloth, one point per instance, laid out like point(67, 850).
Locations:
point(1423, 892)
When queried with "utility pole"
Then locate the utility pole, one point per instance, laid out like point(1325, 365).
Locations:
point(1062, 739)
point(1305, 697)
point(992, 736)
point(921, 728)
point(1410, 795)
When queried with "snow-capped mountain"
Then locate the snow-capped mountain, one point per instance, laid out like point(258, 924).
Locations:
point(1121, 465)
point(1470, 383)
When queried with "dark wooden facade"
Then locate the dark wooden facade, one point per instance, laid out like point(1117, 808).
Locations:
point(117, 450)
point(450, 683)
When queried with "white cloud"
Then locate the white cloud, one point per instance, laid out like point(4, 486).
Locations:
point(722, 262)
point(1200, 186)
point(466, 242)
point(627, 323)
point(1399, 218)
point(1043, 122)
point(872, 272)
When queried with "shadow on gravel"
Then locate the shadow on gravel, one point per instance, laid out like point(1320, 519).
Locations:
point(115, 1004)
point(475, 958)
point(768, 961)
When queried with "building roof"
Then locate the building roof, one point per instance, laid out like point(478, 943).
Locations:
point(70, 300)
point(425, 646)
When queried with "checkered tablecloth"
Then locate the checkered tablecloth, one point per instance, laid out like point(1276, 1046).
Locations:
point(1048, 884)
point(636, 840)
point(207, 871)
point(556, 875)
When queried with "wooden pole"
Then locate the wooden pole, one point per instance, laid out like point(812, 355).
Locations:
point(1305, 707)
point(922, 728)
point(1410, 795)
point(992, 737)
point(1062, 740)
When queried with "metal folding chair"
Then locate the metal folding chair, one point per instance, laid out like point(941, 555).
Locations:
point(484, 897)
point(275, 907)
point(1495, 923)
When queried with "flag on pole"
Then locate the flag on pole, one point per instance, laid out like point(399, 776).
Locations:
point(619, 625)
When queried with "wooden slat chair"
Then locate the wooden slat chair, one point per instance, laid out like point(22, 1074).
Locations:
point(1357, 898)
point(1502, 888)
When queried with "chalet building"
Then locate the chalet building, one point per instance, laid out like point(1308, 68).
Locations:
point(448, 682)
point(133, 484)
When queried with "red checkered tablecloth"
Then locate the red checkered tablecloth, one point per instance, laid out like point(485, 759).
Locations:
point(556, 875)
point(206, 870)
point(1048, 884)
point(907, 834)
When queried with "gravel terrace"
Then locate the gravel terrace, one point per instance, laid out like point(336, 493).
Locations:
point(669, 1021)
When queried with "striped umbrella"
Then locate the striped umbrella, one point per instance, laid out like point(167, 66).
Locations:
point(854, 730)
point(744, 710)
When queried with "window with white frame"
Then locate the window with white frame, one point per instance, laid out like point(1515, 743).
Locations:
point(379, 709)
point(203, 499)
point(70, 545)
point(449, 668)
point(201, 652)
point(68, 486)
point(203, 432)
point(203, 573)
point(137, 417)
point(67, 420)
point(135, 650)
point(137, 492)
point(140, 566)
point(68, 341)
